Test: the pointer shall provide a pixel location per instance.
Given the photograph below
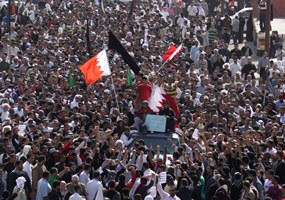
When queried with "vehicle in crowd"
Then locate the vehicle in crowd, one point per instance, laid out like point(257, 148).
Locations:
point(245, 13)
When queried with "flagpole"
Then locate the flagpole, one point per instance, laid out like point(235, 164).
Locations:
point(113, 87)
point(177, 50)
point(162, 66)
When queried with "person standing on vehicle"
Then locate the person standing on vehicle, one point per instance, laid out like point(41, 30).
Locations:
point(170, 116)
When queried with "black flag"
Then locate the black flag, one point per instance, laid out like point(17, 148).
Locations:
point(115, 44)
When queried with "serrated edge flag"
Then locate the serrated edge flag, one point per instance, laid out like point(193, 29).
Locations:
point(172, 52)
point(96, 67)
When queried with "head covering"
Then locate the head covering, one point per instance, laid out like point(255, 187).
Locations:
point(20, 182)
point(53, 150)
point(26, 149)
point(148, 197)
point(119, 142)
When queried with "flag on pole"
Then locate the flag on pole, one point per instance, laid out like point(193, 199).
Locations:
point(115, 44)
point(96, 67)
point(70, 81)
point(129, 77)
point(157, 99)
point(172, 52)
point(167, 54)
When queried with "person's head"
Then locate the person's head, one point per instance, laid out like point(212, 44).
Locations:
point(30, 158)
point(56, 185)
point(13, 158)
point(275, 179)
point(221, 182)
point(75, 179)
point(238, 176)
point(125, 192)
point(144, 79)
point(269, 174)
point(62, 186)
point(138, 197)
point(246, 185)
point(253, 174)
point(145, 166)
point(41, 159)
point(112, 185)
point(122, 178)
point(184, 182)
point(19, 165)
point(77, 189)
point(172, 191)
point(279, 155)
point(46, 175)
point(87, 168)
point(96, 175)
point(145, 103)
point(249, 60)
point(210, 169)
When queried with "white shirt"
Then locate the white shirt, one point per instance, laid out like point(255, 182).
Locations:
point(243, 61)
point(27, 167)
point(134, 188)
point(126, 140)
point(94, 187)
point(234, 68)
point(267, 183)
point(19, 112)
point(271, 72)
point(164, 195)
point(76, 196)
point(192, 11)
point(84, 178)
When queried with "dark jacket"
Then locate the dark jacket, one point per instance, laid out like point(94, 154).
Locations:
point(279, 171)
point(54, 195)
point(113, 195)
point(12, 181)
point(184, 193)
point(142, 189)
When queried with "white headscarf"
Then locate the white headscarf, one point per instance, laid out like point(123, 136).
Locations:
point(20, 182)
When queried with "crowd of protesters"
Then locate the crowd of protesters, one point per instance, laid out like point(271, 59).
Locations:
point(62, 139)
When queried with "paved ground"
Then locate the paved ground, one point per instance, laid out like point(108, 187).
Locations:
point(276, 25)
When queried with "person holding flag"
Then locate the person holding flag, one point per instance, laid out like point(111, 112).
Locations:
point(143, 91)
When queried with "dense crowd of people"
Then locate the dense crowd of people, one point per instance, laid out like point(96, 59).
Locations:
point(63, 139)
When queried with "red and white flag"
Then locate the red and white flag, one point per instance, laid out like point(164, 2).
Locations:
point(96, 67)
point(172, 52)
point(157, 99)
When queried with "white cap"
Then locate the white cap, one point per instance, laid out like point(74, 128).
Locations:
point(119, 142)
